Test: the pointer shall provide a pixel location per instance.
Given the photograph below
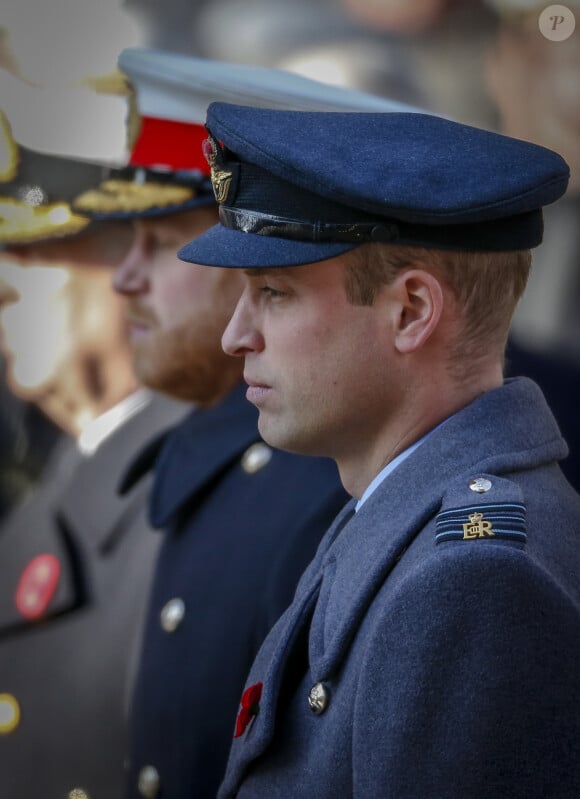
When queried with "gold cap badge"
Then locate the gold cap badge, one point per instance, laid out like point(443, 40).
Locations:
point(220, 178)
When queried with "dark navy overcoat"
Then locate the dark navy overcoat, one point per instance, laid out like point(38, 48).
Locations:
point(240, 522)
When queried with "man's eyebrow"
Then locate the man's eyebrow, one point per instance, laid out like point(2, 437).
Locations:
point(262, 271)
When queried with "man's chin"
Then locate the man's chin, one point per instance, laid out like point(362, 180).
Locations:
point(299, 440)
point(276, 435)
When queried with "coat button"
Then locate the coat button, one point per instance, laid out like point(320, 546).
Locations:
point(256, 457)
point(172, 614)
point(318, 699)
point(480, 485)
point(9, 713)
point(148, 782)
point(78, 793)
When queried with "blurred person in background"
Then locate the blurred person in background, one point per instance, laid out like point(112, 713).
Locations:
point(27, 438)
point(63, 329)
point(20, 463)
point(80, 41)
point(240, 520)
point(534, 82)
point(75, 558)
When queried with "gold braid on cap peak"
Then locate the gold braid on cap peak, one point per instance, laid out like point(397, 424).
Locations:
point(21, 223)
point(130, 195)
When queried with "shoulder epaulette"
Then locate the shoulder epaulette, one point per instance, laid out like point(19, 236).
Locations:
point(482, 508)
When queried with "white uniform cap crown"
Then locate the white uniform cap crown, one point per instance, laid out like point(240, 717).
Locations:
point(180, 88)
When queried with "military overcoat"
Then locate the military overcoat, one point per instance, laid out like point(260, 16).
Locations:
point(433, 646)
point(75, 564)
point(240, 522)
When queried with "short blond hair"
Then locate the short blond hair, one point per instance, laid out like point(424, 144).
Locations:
point(486, 285)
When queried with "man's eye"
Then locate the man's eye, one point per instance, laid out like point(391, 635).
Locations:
point(158, 243)
point(268, 291)
point(165, 244)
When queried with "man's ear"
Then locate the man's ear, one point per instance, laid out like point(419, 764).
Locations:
point(418, 299)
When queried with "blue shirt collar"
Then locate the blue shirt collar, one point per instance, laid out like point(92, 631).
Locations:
point(392, 465)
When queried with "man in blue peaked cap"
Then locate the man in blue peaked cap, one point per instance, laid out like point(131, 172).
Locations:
point(432, 646)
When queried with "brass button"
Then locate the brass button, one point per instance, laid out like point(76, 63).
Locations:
point(172, 614)
point(78, 793)
point(148, 783)
point(256, 457)
point(9, 713)
point(480, 485)
point(318, 698)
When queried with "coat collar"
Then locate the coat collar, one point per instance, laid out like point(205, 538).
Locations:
point(90, 504)
point(195, 451)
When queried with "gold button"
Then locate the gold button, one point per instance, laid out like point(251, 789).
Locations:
point(318, 699)
point(78, 793)
point(9, 713)
point(480, 485)
point(256, 457)
point(172, 614)
point(148, 783)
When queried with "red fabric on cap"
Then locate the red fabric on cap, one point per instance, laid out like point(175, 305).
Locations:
point(170, 144)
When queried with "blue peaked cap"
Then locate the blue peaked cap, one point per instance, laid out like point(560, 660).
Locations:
point(298, 187)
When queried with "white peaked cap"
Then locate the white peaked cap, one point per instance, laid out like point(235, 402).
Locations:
point(180, 88)
point(172, 94)
point(68, 122)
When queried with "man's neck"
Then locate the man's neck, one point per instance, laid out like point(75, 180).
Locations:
point(416, 417)
point(73, 404)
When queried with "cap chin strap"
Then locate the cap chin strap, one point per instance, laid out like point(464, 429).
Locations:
point(266, 225)
point(512, 233)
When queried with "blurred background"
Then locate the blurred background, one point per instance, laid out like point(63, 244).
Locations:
point(485, 63)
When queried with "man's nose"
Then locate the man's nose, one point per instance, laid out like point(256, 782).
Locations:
point(131, 275)
point(242, 336)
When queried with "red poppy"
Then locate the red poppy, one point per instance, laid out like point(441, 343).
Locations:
point(250, 705)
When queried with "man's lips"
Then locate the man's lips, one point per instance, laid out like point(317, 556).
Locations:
point(256, 391)
point(140, 315)
point(139, 325)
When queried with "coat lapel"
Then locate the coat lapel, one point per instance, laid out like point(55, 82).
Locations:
point(90, 505)
point(208, 441)
point(269, 665)
point(351, 577)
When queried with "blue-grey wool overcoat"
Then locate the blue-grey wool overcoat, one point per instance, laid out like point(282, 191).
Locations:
point(441, 626)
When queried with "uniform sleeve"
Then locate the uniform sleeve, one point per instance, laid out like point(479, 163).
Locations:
point(470, 686)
